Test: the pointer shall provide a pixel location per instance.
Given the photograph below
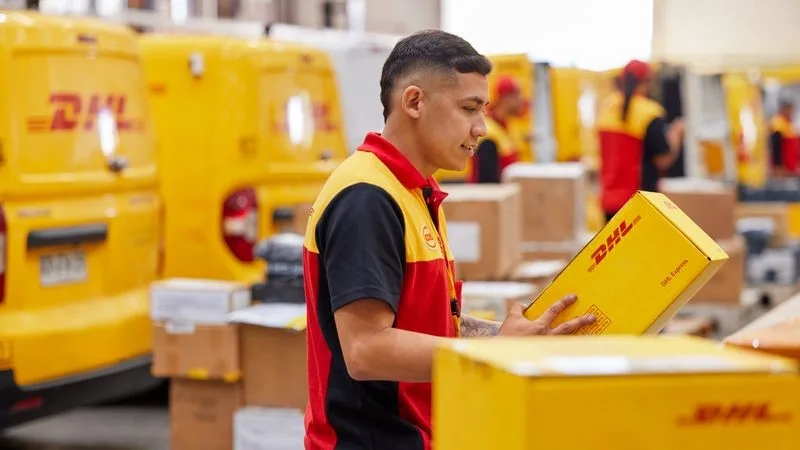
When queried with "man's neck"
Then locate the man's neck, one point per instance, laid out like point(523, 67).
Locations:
point(408, 147)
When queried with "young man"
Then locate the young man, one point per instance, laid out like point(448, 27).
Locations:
point(497, 150)
point(379, 278)
point(636, 144)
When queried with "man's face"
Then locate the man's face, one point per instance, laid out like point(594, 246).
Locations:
point(452, 120)
point(515, 104)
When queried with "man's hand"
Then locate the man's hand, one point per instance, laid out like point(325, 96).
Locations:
point(675, 134)
point(517, 325)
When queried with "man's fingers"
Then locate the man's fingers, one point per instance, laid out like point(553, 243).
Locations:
point(516, 309)
point(574, 325)
point(557, 308)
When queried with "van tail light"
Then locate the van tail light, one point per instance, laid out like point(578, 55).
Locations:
point(240, 223)
point(3, 253)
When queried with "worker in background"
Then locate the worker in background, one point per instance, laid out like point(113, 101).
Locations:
point(497, 150)
point(784, 141)
point(636, 144)
point(380, 286)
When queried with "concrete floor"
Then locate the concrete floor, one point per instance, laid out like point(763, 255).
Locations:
point(138, 424)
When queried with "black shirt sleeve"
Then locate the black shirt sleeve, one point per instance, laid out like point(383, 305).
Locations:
point(775, 146)
point(361, 240)
point(488, 162)
point(655, 139)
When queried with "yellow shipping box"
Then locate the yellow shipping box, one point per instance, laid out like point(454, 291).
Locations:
point(612, 392)
point(637, 272)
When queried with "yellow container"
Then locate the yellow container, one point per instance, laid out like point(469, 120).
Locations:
point(638, 271)
point(612, 392)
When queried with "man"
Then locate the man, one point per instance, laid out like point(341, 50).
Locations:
point(497, 150)
point(379, 278)
point(636, 144)
point(784, 141)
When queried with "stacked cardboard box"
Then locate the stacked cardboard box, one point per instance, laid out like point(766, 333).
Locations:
point(222, 354)
point(553, 208)
point(484, 229)
point(712, 206)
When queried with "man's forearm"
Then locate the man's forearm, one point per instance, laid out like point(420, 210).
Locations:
point(475, 327)
point(395, 355)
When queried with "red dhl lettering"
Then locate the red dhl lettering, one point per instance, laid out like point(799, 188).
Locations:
point(718, 413)
point(73, 112)
point(612, 241)
point(320, 113)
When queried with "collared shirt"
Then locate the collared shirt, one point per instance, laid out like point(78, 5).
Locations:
point(376, 231)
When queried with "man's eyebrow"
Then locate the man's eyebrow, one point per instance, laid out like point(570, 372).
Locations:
point(476, 99)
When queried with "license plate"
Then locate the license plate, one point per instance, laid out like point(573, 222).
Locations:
point(63, 268)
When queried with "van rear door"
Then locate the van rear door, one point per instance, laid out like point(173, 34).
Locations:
point(303, 112)
point(80, 174)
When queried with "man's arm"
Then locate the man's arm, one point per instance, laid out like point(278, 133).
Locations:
point(362, 243)
point(475, 327)
point(661, 145)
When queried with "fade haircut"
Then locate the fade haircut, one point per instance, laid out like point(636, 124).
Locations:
point(434, 50)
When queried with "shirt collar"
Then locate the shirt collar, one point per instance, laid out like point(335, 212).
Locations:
point(397, 163)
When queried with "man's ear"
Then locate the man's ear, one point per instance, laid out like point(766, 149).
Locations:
point(412, 100)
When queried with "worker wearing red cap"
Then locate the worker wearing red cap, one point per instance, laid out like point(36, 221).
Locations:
point(636, 144)
point(497, 150)
point(784, 141)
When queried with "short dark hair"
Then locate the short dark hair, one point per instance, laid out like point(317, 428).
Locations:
point(429, 49)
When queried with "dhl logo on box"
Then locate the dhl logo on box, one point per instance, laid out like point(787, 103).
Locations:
point(635, 274)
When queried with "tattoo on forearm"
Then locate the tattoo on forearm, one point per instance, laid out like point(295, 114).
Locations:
point(475, 327)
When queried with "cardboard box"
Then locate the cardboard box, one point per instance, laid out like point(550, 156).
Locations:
point(711, 205)
point(612, 392)
point(484, 229)
point(788, 310)
point(782, 339)
point(198, 352)
point(699, 326)
point(542, 251)
point(197, 301)
point(254, 429)
point(491, 300)
point(272, 339)
point(776, 213)
point(635, 275)
point(538, 273)
point(553, 200)
point(727, 284)
point(201, 414)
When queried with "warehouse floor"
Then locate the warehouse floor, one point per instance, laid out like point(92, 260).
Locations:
point(139, 424)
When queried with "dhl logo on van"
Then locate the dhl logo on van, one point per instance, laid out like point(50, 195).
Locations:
point(75, 112)
point(612, 241)
point(321, 116)
point(753, 412)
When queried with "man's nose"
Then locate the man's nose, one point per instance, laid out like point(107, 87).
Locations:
point(479, 129)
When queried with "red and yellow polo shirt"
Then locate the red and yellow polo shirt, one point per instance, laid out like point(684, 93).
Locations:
point(375, 231)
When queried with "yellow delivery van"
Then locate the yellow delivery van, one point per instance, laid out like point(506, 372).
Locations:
point(79, 216)
point(248, 132)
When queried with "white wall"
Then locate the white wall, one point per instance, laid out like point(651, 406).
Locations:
point(402, 16)
point(727, 32)
point(596, 34)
